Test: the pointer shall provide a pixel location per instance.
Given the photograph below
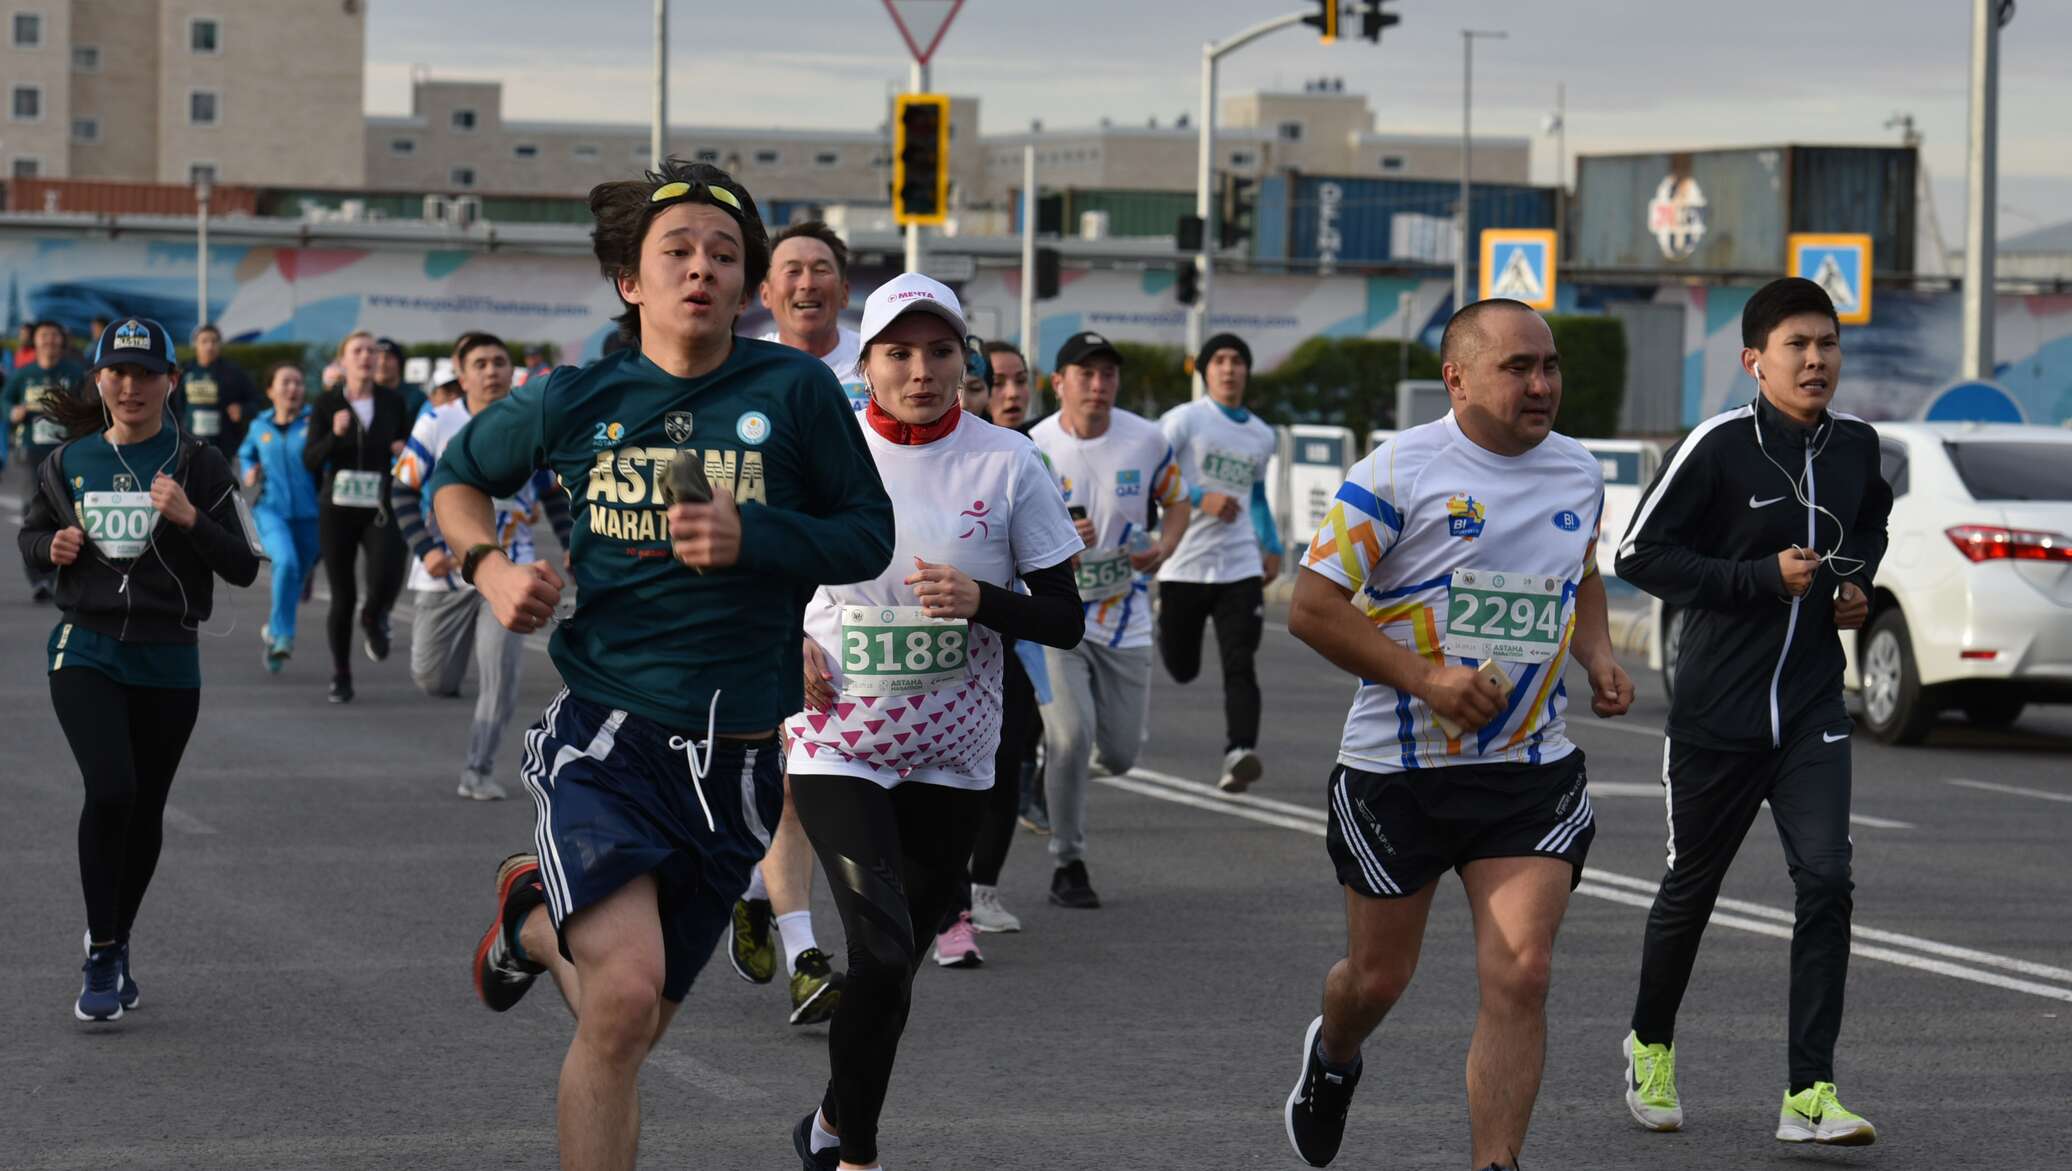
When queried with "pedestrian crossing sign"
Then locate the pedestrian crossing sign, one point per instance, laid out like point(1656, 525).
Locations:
point(1839, 263)
point(1518, 263)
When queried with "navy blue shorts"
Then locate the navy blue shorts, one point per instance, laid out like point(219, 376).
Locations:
point(616, 800)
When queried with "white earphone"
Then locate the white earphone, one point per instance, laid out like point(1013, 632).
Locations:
point(1833, 557)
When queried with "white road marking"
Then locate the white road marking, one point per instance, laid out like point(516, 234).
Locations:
point(1639, 892)
point(186, 822)
point(2016, 790)
point(701, 1075)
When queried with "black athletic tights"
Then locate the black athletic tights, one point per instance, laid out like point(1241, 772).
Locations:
point(892, 858)
point(1239, 610)
point(340, 533)
point(128, 742)
point(999, 805)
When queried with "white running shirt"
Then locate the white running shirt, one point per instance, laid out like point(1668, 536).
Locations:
point(980, 499)
point(1115, 478)
point(1217, 455)
point(841, 360)
point(434, 429)
point(1423, 504)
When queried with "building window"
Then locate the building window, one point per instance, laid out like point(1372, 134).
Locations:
point(205, 35)
point(767, 158)
point(1392, 162)
point(828, 158)
point(525, 150)
point(1290, 131)
point(201, 107)
point(463, 176)
point(200, 173)
point(28, 30)
point(27, 168)
point(27, 104)
point(708, 155)
point(464, 121)
point(1243, 158)
point(86, 58)
point(402, 147)
point(86, 130)
point(583, 150)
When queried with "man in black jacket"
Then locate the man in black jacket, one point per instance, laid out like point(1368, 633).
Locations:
point(1764, 529)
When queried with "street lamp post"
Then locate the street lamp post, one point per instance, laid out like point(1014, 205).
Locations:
point(1467, 156)
point(1982, 184)
point(202, 191)
point(658, 134)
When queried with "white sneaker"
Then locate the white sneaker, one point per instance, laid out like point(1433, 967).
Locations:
point(1241, 767)
point(986, 912)
point(480, 787)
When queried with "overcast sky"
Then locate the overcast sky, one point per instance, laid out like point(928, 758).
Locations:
point(1640, 74)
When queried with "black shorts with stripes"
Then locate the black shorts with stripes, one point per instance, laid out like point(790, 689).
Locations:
point(1393, 833)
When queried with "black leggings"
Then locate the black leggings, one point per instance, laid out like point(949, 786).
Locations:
point(892, 858)
point(1019, 724)
point(340, 533)
point(1239, 610)
point(128, 742)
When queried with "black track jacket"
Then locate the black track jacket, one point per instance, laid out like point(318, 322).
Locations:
point(1757, 668)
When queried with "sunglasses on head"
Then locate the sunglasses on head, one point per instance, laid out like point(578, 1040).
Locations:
point(694, 189)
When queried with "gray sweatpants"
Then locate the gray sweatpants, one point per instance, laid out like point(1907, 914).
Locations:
point(1099, 700)
point(448, 626)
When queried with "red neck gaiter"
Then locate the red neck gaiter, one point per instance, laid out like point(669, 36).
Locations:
point(907, 434)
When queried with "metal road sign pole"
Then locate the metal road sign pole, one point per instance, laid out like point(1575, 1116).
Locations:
point(917, 83)
point(658, 133)
point(1029, 258)
point(201, 253)
point(1467, 156)
point(1981, 189)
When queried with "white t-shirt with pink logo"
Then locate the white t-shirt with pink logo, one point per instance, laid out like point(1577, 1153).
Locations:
point(980, 499)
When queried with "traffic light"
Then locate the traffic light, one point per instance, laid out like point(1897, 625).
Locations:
point(1187, 233)
point(1373, 19)
point(1186, 282)
point(921, 158)
point(1046, 273)
point(1234, 226)
point(1325, 21)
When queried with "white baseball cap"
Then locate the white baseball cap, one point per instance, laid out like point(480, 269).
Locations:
point(909, 292)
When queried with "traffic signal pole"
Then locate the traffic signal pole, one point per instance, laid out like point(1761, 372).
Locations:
point(917, 82)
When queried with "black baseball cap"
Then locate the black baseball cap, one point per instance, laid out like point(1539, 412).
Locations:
point(387, 345)
point(134, 341)
point(1085, 345)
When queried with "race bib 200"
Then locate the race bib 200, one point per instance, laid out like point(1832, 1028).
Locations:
point(118, 523)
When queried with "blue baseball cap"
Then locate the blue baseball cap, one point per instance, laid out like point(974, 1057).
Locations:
point(134, 341)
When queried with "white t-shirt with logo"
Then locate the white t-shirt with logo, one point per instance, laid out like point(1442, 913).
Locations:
point(1431, 501)
point(841, 360)
point(1115, 477)
point(1217, 454)
point(981, 500)
point(434, 429)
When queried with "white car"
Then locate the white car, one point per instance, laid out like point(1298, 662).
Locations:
point(1972, 605)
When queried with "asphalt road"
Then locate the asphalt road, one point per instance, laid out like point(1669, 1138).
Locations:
point(304, 961)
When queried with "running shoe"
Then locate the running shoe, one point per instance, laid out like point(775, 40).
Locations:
point(131, 997)
point(986, 912)
point(1070, 888)
point(957, 946)
point(341, 689)
point(1316, 1107)
point(816, 988)
point(480, 787)
point(1241, 767)
point(376, 631)
point(278, 652)
point(1651, 1085)
point(41, 593)
point(100, 993)
point(753, 954)
point(1035, 820)
point(501, 978)
point(1814, 1116)
point(802, 1142)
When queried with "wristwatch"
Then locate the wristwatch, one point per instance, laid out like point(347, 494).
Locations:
point(473, 558)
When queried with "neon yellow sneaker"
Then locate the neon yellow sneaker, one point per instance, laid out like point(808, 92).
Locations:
point(1814, 1116)
point(749, 947)
point(1651, 1085)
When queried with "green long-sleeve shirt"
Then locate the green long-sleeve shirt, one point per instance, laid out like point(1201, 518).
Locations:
point(650, 635)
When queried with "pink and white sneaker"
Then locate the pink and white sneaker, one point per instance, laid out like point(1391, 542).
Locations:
point(958, 946)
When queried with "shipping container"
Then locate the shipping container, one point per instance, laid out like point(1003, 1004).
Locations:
point(100, 197)
point(1729, 211)
point(1355, 221)
point(1130, 213)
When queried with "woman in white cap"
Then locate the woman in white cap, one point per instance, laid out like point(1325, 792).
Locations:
point(902, 681)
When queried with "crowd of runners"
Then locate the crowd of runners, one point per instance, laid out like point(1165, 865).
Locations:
point(843, 596)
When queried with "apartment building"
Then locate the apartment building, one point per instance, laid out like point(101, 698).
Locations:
point(168, 91)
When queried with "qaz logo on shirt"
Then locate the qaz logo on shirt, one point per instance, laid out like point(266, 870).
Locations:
point(1129, 482)
point(1464, 517)
point(1567, 521)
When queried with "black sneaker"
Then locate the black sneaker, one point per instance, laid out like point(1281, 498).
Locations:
point(41, 593)
point(501, 978)
point(1069, 887)
point(802, 1142)
point(1316, 1106)
point(377, 632)
point(341, 689)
